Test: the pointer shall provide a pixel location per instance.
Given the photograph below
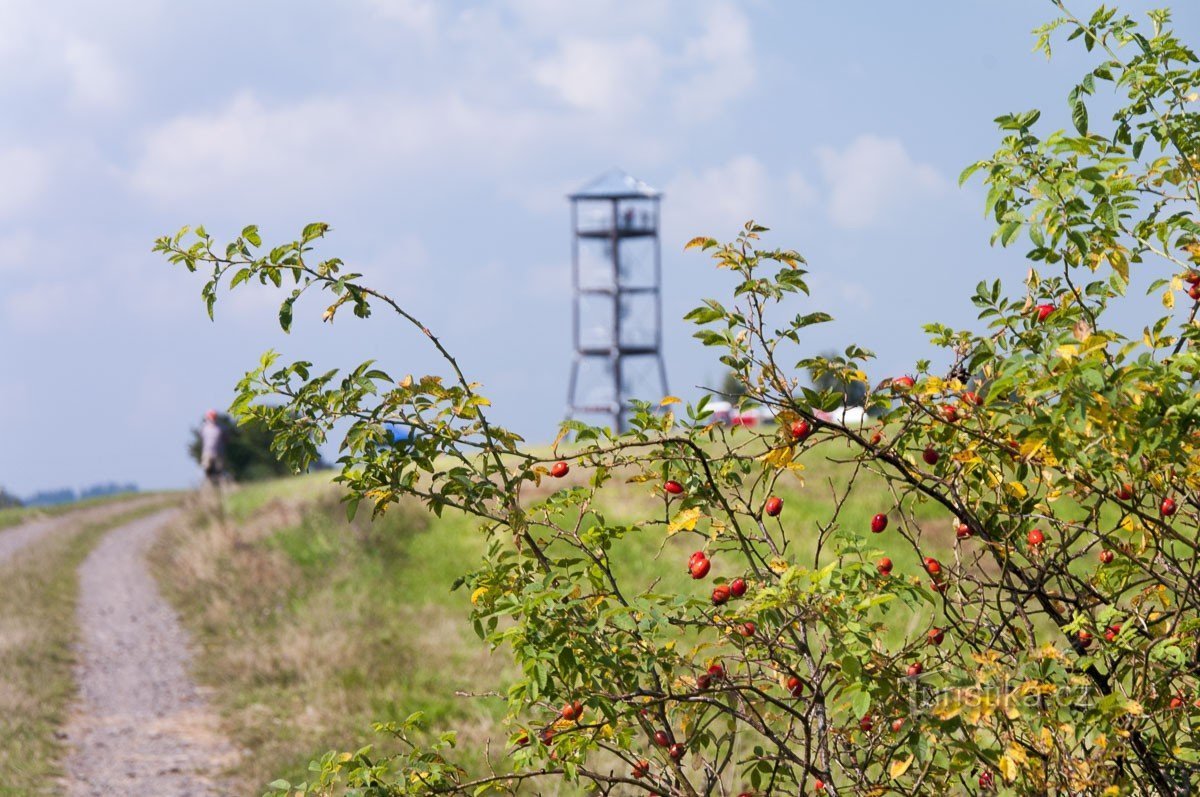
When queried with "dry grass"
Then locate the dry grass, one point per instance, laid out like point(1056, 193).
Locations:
point(310, 628)
point(38, 593)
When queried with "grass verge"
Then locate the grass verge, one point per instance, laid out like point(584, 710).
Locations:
point(39, 589)
point(310, 628)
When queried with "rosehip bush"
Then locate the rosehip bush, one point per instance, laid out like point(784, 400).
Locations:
point(1041, 486)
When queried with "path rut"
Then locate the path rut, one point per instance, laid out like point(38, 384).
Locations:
point(141, 727)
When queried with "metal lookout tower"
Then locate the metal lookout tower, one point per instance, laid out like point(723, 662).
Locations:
point(616, 273)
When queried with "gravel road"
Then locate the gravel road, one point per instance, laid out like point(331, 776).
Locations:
point(141, 727)
point(15, 538)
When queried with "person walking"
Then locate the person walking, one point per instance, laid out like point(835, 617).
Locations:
point(212, 448)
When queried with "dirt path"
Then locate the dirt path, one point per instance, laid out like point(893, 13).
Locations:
point(17, 537)
point(141, 728)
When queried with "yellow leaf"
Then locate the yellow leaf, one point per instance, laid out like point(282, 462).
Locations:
point(685, 520)
point(669, 400)
point(778, 458)
point(900, 766)
point(947, 708)
point(477, 594)
point(701, 241)
point(1016, 489)
point(1168, 299)
point(931, 386)
point(1068, 351)
point(406, 381)
point(1120, 263)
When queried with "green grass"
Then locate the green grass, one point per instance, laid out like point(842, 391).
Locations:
point(39, 590)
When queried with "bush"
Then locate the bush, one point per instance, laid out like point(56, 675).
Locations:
point(1049, 646)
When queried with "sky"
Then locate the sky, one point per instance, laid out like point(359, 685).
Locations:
point(439, 139)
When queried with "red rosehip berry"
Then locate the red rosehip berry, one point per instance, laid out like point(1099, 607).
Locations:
point(676, 751)
point(1085, 639)
point(971, 398)
point(987, 781)
point(938, 586)
point(932, 566)
point(720, 594)
point(699, 567)
point(641, 769)
point(884, 566)
point(962, 531)
point(747, 628)
point(876, 438)
point(903, 383)
point(795, 686)
point(949, 413)
point(930, 455)
point(818, 785)
point(866, 723)
point(897, 724)
point(673, 487)
point(1106, 557)
point(1035, 538)
point(716, 671)
point(773, 506)
point(1043, 311)
point(879, 523)
point(1176, 702)
point(1168, 507)
point(737, 587)
point(801, 430)
point(703, 681)
point(661, 738)
point(559, 469)
point(915, 669)
point(936, 635)
point(1125, 492)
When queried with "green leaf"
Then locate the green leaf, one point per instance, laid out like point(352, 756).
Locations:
point(1079, 116)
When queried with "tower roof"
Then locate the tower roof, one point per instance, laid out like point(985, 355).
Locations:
point(616, 184)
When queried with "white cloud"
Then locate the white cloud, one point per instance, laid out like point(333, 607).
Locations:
point(719, 63)
point(417, 15)
point(26, 174)
point(67, 50)
point(720, 199)
point(696, 74)
point(872, 178)
point(93, 75)
point(315, 149)
point(605, 76)
point(42, 306)
point(717, 200)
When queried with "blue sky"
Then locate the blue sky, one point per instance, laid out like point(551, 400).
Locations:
point(439, 139)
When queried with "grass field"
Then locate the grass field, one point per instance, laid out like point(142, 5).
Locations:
point(38, 594)
point(311, 628)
